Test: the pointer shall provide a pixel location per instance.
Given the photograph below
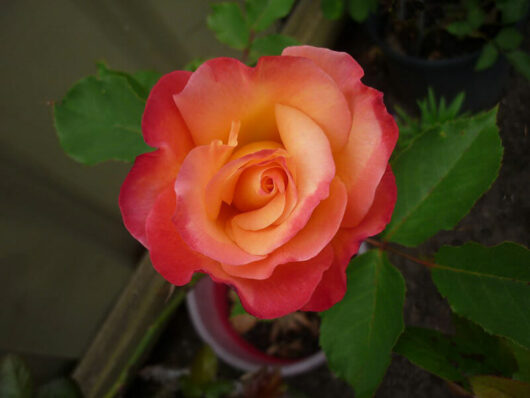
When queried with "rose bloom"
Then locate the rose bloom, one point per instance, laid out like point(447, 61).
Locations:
point(265, 178)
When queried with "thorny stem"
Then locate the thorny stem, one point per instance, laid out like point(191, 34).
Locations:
point(385, 246)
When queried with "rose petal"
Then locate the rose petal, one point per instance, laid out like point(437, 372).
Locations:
point(162, 124)
point(197, 229)
point(347, 241)
point(316, 235)
point(309, 149)
point(170, 256)
point(339, 65)
point(163, 128)
point(222, 185)
point(262, 217)
point(151, 174)
point(363, 161)
point(224, 89)
point(285, 291)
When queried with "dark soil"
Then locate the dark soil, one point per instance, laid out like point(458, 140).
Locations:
point(503, 213)
point(287, 339)
point(417, 28)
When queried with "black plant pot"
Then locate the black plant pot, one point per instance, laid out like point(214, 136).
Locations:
point(412, 76)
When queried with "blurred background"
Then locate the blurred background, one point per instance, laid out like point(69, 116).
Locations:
point(64, 252)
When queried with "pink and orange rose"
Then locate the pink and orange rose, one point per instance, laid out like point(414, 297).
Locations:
point(265, 178)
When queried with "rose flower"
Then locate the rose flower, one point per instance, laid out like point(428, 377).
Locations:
point(266, 178)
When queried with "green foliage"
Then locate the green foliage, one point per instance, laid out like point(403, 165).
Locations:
point(512, 10)
point(359, 10)
point(261, 14)
point(508, 38)
point(229, 25)
point(332, 9)
point(522, 357)
point(474, 19)
point(202, 381)
point(520, 61)
point(487, 58)
point(457, 357)
point(498, 387)
point(194, 64)
point(488, 285)
point(238, 29)
point(237, 308)
point(441, 174)
point(432, 113)
point(270, 45)
point(16, 382)
point(60, 388)
point(100, 117)
point(358, 333)
point(147, 79)
point(15, 378)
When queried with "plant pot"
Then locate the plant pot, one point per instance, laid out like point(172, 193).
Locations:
point(209, 312)
point(412, 75)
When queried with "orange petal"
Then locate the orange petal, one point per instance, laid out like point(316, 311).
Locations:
point(224, 89)
point(339, 65)
point(317, 233)
point(263, 217)
point(199, 231)
point(309, 150)
point(363, 161)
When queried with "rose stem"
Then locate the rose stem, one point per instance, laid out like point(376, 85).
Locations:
point(387, 247)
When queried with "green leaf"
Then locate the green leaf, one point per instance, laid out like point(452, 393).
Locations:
point(441, 175)
point(229, 25)
point(60, 388)
point(263, 13)
point(460, 28)
point(140, 90)
point(360, 9)
point(475, 15)
point(498, 387)
point(488, 285)
point(512, 10)
point(99, 119)
point(522, 357)
point(15, 378)
point(487, 57)
point(454, 358)
point(509, 38)
point(430, 350)
point(147, 78)
point(218, 388)
point(237, 308)
point(358, 333)
point(332, 9)
point(521, 62)
point(456, 105)
point(270, 45)
point(194, 64)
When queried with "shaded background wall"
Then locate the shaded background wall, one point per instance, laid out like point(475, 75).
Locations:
point(64, 253)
